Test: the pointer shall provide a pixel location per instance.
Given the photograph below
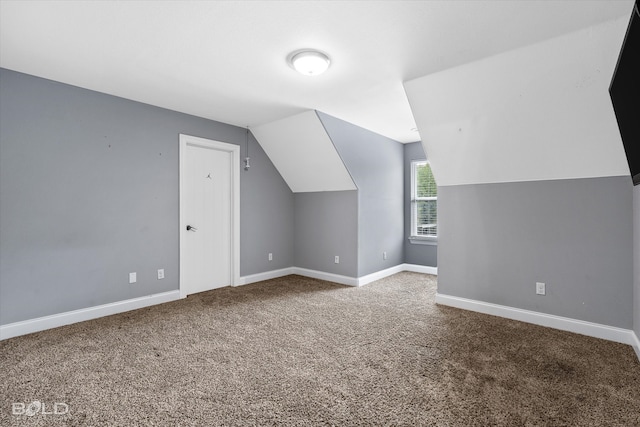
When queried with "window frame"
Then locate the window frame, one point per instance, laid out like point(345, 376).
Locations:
point(414, 237)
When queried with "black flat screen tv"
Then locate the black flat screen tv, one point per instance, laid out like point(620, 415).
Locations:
point(625, 94)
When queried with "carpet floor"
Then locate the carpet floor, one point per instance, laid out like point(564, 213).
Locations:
point(300, 351)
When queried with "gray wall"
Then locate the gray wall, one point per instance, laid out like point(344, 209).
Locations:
point(636, 259)
point(266, 214)
point(326, 225)
point(89, 193)
point(376, 166)
point(497, 240)
point(414, 253)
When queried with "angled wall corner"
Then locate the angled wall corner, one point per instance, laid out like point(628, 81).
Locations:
point(303, 153)
point(375, 163)
point(541, 112)
point(528, 158)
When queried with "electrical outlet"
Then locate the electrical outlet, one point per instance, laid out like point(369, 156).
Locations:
point(270, 256)
point(384, 255)
point(133, 277)
point(540, 288)
point(160, 273)
point(337, 259)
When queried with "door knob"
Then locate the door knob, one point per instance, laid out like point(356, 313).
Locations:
point(190, 228)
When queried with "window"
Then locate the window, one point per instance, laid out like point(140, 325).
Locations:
point(424, 202)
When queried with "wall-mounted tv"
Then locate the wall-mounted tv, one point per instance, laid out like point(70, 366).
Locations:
point(625, 94)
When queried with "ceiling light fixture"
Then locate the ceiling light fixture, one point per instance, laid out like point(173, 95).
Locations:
point(310, 62)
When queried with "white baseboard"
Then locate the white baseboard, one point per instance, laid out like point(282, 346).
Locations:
point(337, 278)
point(315, 274)
point(396, 269)
point(259, 277)
point(75, 316)
point(380, 275)
point(636, 345)
point(421, 269)
point(611, 333)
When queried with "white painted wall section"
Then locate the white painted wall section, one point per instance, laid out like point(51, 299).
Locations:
point(303, 153)
point(540, 112)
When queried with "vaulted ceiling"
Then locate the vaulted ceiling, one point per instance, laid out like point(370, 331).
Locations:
point(226, 60)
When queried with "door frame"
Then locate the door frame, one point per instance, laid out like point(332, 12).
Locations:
point(186, 140)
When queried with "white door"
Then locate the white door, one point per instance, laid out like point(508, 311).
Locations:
point(208, 214)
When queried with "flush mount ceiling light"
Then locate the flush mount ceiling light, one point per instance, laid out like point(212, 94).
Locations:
point(309, 62)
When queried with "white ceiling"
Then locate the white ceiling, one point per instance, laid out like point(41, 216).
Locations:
point(226, 60)
point(314, 164)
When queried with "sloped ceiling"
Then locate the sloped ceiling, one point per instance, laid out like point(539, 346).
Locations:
point(303, 153)
point(226, 60)
point(541, 112)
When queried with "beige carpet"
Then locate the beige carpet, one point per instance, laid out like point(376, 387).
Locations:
point(299, 351)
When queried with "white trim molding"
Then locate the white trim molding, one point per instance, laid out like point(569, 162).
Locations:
point(259, 277)
point(55, 320)
point(636, 345)
point(234, 150)
point(596, 330)
point(337, 278)
point(330, 277)
point(417, 240)
point(364, 280)
point(425, 269)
